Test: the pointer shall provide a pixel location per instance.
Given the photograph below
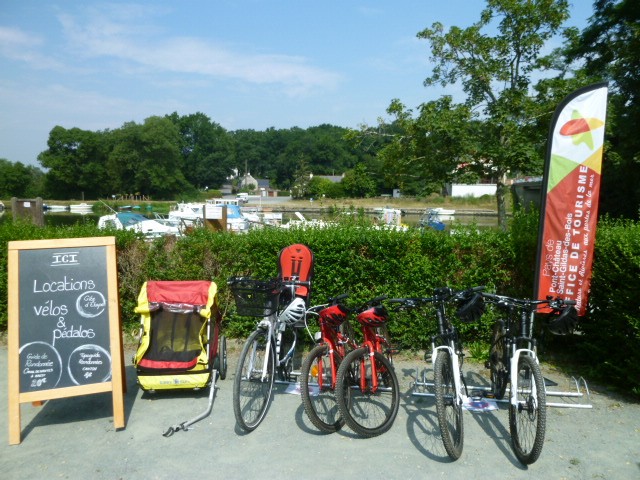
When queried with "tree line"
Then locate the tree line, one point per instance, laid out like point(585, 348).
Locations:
point(511, 84)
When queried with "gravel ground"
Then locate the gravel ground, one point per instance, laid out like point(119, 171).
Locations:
point(74, 438)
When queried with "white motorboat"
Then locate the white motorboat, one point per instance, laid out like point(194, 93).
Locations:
point(138, 223)
point(81, 208)
point(302, 222)
point(187, 213)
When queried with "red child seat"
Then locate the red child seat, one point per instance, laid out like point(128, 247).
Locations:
point(297, 261)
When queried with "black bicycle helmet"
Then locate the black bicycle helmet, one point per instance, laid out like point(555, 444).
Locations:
point(471, 308)
point(563, 322)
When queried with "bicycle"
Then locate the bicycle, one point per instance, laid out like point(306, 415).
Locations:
point(367, 389)
point(318, 374)
point(513, 360)
point(264, 355)
point(447, 356)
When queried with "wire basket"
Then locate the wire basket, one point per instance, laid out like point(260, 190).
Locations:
point(255, 298)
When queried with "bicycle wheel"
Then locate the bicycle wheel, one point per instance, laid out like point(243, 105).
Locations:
point(367, 412)
point(251, 386)
point(320, 401)
point(497, 362)
point(448, 407)
point(527, 420)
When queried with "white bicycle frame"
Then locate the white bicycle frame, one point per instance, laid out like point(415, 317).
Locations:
point(274, 327)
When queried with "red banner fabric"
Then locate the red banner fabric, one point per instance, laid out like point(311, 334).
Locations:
point(571, 189)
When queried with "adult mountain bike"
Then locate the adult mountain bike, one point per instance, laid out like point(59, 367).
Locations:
point(447, 356)
point(319, 371)
point(367, 390)
point(513, 361)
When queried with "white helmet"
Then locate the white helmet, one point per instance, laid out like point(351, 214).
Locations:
point(294, 312)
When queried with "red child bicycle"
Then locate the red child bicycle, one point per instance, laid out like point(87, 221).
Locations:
point(367, 390)
point(319, 371)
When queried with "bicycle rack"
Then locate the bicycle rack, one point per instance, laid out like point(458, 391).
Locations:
point(423, 388)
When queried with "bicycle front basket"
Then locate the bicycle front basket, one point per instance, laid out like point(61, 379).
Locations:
point(255, 298)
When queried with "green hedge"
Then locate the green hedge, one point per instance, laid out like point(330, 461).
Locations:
point(366, 262)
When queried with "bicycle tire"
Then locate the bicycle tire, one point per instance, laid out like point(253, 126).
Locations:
point(498, 361)
point(320, 406)
point(527, 420)
point(367, 413)
point(251, 393)
point(448, 408)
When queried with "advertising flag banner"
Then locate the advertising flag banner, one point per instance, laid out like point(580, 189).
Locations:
point(570, 194)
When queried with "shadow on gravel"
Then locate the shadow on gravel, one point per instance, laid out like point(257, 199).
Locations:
point(82, 408)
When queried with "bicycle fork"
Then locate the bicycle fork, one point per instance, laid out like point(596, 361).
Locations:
point(461, 395)
point(514, 375)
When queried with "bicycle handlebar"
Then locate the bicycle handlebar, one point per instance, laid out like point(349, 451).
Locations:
point(330, 301)
point(556, 303)
point(368, 304)
point(441, 295)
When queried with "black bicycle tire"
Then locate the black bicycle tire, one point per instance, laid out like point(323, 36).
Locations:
point(345, 399)
point(451, 428)
point(239, 406)
point(220, 363)
point(497, 361)
point(322, 421)
point(519, 418)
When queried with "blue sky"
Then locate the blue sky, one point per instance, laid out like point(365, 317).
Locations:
point(250, 64)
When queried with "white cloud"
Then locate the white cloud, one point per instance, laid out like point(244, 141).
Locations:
point(138, 45)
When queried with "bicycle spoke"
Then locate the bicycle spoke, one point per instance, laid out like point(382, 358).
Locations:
point(320, 401)
point(447, 406)
point(253, 385)
point(527, 419)
point(368, 411)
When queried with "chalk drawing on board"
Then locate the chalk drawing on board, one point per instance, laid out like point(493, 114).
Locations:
point(89, 364)
point(41, 366)
point(90, 304)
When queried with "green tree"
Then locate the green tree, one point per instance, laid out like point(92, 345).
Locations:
point(494, 62)
point(145, 159)
point(358, 183)
point(206, 149)
point(428, 149)
point(300, 186)
point(19, 180)
point(609, 49)
point(76, 163)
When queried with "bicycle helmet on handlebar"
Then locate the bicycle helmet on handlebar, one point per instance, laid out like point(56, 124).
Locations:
point(374, 316)
point(472, 309)
point(564, 322)
point(294, 312)
point(334, 315)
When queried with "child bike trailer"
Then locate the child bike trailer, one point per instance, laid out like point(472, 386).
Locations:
point(180, 344)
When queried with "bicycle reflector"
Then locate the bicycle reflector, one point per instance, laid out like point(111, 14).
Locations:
point(334, 315)
point(374, 316)
point(563, 323)
point(472, 309)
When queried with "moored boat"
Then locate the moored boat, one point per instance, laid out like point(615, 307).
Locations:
point(138, 223)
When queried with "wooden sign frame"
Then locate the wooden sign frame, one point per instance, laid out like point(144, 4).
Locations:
point(114, 382)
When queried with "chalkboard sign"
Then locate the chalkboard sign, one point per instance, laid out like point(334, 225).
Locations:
point(64, 331)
